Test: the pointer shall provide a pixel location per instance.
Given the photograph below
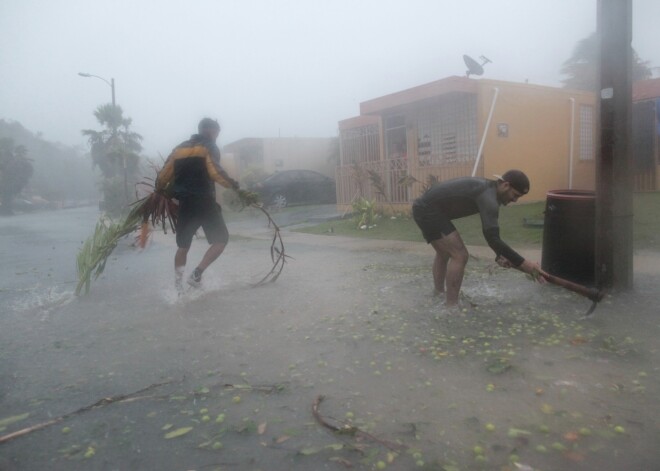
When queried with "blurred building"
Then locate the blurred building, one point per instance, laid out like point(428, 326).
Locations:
point(458, 126)
point(271, 155)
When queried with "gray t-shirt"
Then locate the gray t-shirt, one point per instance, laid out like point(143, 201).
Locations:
point(466, 196)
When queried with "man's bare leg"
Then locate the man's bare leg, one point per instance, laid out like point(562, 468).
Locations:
point(440, 271)
point(180, 258)
point(212, 253)
point(453, 245)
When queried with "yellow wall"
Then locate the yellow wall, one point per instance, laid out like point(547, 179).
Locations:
point(538, 142)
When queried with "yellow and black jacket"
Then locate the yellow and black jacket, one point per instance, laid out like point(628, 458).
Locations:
point(191, 169)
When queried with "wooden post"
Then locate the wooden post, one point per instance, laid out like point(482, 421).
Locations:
point(614, 171)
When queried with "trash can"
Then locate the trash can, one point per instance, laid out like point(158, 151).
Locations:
point(569, 235)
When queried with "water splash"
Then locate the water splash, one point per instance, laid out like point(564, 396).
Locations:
point(211, 284)
point(43, 300)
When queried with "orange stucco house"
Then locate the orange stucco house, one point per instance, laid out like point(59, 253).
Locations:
point(460, 126)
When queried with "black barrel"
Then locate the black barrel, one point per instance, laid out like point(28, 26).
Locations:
point(569, 235)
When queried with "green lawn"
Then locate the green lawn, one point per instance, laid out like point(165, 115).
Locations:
point(646, 226)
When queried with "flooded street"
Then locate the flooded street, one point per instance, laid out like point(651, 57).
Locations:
point(226, 378)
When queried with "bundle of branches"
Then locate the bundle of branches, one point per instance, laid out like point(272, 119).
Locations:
point(277, 255)
point(93, 255)
point(159, 209)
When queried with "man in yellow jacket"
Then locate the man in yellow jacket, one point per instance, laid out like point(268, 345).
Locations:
point(189, 175)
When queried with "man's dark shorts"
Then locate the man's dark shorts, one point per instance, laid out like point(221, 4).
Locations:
point(434, 224)
point(196, 212)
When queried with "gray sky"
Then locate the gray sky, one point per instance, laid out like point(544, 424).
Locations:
point(269, 67)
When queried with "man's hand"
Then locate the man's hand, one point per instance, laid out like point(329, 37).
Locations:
point(503, 262)
point(532, 269)
point(247, 198)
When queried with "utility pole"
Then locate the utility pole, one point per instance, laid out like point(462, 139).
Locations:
point(112, 88)
point(614, 166)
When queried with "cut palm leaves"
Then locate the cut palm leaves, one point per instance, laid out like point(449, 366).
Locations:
point(94, 253)
point(159, 210)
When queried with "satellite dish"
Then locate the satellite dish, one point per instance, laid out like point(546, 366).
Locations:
point(474, 67)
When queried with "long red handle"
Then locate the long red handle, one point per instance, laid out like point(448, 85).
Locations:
point(591, 293)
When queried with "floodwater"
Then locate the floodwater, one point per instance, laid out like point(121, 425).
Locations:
point(517, 381)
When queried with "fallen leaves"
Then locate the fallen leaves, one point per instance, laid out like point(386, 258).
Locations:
point(578, 340)
point(178, 432)
point(498, 366)
point(13, 419)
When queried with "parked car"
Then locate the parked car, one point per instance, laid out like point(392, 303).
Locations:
point(290, 187)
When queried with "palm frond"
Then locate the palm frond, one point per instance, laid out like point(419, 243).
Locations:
point(94, 253)
point(159, 210)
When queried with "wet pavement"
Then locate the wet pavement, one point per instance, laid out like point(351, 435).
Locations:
point(229, 374)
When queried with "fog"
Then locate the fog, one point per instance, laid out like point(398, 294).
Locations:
point(268, 68)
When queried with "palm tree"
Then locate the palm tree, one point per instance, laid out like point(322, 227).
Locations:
point(110, 145)
point(15, 172)
point(581, 68)
point(115, 150)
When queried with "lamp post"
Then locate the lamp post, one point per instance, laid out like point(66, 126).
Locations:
point(111, 83)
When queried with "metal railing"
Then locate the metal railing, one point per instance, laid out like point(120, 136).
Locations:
point(393, 181)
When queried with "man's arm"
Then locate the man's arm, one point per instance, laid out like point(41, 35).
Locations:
point(500, 248)
point(217, 173)
point(166, 174)
point(526, 266)
point(507, 257)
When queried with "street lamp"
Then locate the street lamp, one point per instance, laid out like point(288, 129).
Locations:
point(111, 83)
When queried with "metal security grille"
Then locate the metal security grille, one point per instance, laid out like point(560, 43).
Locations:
point(447, 131)
point(586, 132)
point(360, 144)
